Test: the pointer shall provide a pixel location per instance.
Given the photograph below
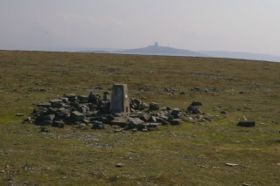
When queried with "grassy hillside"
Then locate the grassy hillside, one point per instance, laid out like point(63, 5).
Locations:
point(190, 154)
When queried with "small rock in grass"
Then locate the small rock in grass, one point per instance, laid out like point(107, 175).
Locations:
point(44, 129)
point(27, 120)
point(194, 108)
point(144, 130)
point(118, 130)
point(19, 114)
point(223, 112)
point(246, 123)
point(98, 125)
point(119, 165)
point(231, 164)
point(176, 122)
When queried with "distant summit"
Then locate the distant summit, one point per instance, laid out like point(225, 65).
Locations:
point(156, 49)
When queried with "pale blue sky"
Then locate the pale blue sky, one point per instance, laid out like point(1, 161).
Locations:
point(239, 25)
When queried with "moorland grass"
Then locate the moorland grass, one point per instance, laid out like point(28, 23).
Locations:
point(190, 154)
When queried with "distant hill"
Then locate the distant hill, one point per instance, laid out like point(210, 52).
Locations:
point(242, 55)
point(162, 50)
point(169, 51)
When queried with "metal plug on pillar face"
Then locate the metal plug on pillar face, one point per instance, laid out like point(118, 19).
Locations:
point(119, 99)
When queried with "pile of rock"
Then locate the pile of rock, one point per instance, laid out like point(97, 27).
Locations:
point(93, 111)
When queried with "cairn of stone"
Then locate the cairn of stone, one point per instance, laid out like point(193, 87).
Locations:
point(96, 111)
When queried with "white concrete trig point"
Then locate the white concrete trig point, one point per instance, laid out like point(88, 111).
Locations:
point(119, 99)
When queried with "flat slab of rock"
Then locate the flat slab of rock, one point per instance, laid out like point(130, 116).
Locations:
point(44, 104)
point(231, 164)
point(19, 114)
point(120, 121)
point(135, 121)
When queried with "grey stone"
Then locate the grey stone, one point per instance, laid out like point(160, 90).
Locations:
point(94, 98)
point(105, 107)
point(64, 99)
point(86, 121)
point(105, 96)
point(152, 126)
point(52, 110)
point(83, 108)
point(62, 113)
point(119, 165)
point(231, 164)
point(163, 116)
point(163, 121)
point(145, 117)
point(153, 106)
point(135, 121)
point(193, 110)
point(145, 130)
point(137, 104)
point(71, 97)
point(120, 121)
point(176, 113)
point(82, 126)
point(223, 112)
point(118, 130)
point(83, 99)
point(27, 120)
point(47, 104)
point(153, 119)
point(98, 125)
point(246, 124)
point(107, 119)
point(134, 104)
point(40, 111)
point(57, 103)
point(45, 119)
point(77, 114)
point(44, 130)
point(58, 123)
point(176, 122)
point(76, 117)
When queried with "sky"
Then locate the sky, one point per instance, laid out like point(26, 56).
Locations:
point(239, 25)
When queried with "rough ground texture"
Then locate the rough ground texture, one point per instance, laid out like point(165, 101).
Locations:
point(209, 153)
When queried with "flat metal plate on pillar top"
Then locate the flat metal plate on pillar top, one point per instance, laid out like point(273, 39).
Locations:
point(119, 99)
